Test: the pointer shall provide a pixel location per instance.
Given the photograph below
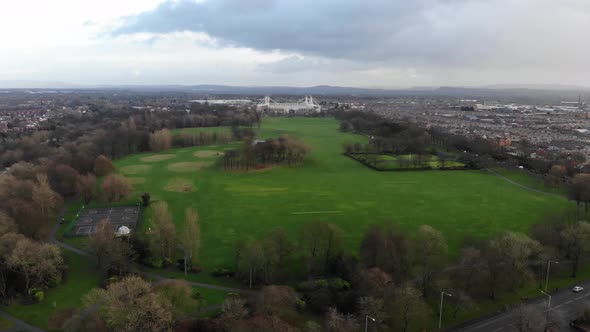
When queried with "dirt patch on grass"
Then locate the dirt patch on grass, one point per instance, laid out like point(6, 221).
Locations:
point(158, 157)
point(136, 180)
point(135, 169)
point(189, 166)
point(207, 153)
point(179, 185)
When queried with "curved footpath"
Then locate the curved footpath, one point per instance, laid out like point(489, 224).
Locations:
point(523, 186)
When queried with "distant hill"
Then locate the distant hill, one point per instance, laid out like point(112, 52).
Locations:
point(548, 93)
point(23, 84)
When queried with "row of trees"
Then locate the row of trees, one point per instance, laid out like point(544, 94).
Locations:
point(163, 239)
point(397, 274)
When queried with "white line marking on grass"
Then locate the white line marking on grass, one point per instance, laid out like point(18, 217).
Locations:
point(315, 212)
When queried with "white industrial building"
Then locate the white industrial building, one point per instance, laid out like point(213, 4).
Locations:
point(306, 105)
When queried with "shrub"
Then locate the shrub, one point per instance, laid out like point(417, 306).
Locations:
point(221, 272)
point(340, 284)
point(36, 295)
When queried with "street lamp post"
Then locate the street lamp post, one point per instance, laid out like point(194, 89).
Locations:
point(548, 304)
point(367, 322)
point(548, 267)
point(442, 294)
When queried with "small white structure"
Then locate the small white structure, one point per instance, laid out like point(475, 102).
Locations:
point(122, 231)
point(308, 104)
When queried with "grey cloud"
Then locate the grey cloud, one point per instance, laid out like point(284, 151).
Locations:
point(429, 31)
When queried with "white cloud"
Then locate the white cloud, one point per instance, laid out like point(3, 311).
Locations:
point(386, 43)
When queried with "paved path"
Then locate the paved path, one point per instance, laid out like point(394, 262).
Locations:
point(523, 186)
point(19, 324)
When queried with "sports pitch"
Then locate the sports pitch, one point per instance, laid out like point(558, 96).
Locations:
point(118, 216)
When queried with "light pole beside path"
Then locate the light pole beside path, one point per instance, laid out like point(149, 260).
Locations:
point(367, 322)
point(548, 267)
point(442, 294)
point(548, 305)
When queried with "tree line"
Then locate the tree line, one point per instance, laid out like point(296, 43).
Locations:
point(284, 150)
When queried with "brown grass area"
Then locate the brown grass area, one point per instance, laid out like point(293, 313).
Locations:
point(180, 185)
point(207, 153)
point(135, 169)
point(189, 166)
point(158, 157)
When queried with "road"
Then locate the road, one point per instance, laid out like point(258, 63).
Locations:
point(565, 306)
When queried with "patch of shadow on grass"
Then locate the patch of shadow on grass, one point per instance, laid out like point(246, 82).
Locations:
point(189, 166)
point(158, 157)
point(135, 169)
point(179, 185)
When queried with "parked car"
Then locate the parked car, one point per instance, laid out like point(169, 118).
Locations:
point(577, 289)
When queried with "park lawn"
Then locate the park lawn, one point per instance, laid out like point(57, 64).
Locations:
point(330, 187)
point(524, 177)
point(81, 278)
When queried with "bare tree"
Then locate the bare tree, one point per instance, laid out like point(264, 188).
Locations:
point(86, 187)
point(430, 253)
point(338, 322)
point(163, 232)
point(103, 165)
point(161, 140)
point(46, 199)
point(131, 305)
point(408, 308)
point(116, 187)
point(577, 243)
point(190, 239)
point(40, 264)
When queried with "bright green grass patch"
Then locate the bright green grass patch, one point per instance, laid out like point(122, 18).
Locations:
point(337, 189)
point(135, 169)
point(80, 279)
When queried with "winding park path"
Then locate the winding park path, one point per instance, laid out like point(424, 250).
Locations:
point(523, 186)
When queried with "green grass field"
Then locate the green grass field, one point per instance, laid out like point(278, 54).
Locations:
point(329, 187)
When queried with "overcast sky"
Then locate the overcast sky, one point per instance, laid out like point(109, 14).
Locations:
point(365, 43)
